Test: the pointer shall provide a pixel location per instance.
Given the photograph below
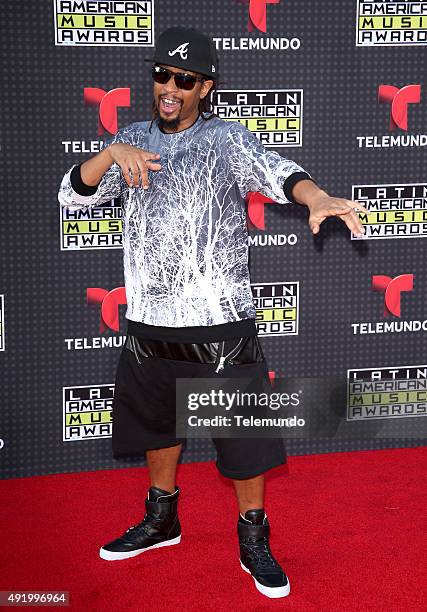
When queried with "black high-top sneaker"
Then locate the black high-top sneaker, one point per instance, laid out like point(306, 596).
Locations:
point(160, 527)
point(256, 557)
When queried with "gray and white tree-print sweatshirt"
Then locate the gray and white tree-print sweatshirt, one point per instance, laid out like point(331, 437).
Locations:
point(185, 241)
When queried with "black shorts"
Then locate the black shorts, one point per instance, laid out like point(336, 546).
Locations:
point(144, 416)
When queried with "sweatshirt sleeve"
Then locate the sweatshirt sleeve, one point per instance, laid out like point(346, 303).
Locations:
point(257, 168)
point(75, 195)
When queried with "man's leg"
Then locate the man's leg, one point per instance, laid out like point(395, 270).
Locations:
point(162, 466)
point(250, 493)
point(253, 530)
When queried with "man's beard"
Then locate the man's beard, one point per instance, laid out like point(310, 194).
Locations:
point(170, 124)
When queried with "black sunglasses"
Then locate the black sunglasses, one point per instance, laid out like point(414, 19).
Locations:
point(182, 79)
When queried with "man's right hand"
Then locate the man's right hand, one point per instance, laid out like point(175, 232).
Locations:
point(134, 163)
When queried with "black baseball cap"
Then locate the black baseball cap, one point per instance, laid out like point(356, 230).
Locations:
point(186, 48)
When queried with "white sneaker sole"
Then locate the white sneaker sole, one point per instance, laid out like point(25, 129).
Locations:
point(108, 555)
point(272, 592)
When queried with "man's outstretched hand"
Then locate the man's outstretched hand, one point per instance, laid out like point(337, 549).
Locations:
point(324, 206)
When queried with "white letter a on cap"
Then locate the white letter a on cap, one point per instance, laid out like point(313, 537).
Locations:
point(182, 50)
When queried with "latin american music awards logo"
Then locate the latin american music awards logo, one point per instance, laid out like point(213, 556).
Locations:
point(396, 210)
point(87, 412)
point(386, 392)
point(275, 116)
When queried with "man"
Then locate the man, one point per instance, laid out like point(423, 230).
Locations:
point(183, 178)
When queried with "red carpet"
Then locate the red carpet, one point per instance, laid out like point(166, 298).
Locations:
point(347, 527)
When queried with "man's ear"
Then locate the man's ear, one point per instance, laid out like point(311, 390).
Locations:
point(206, 85)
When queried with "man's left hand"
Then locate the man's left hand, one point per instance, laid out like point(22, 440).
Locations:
point(327, 206)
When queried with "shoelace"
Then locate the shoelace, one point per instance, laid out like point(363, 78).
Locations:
point(148, 519)
point(260, 550)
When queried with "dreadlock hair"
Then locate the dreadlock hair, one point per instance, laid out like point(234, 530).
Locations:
point(206, 104)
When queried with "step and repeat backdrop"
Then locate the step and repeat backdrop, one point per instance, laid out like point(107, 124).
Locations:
point(340, 88)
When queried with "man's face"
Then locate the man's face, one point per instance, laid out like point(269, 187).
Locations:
point(184, 108)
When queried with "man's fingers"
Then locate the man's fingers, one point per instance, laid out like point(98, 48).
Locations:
point(130, 172)
point(134, 170)
point(142, 166)
point(347, 205)
point(350, 216)
point(355, 224)
point(314, 222)
point(135, 167)
point(126, 175)
point(152, 165)
point(359, 228)
point(357, 205)
point(150, 155)
point(135, 163)
point(347, 210)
